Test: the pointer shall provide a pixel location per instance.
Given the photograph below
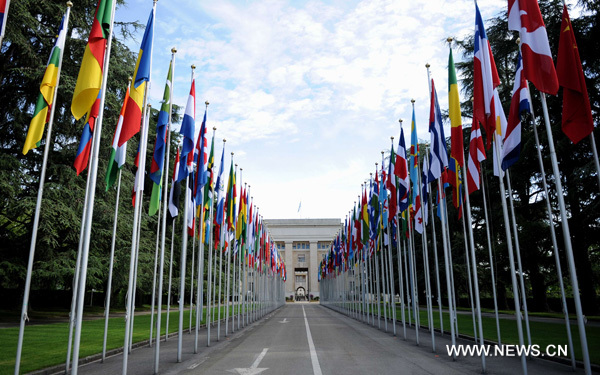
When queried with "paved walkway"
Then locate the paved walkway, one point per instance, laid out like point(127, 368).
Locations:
point(307, 338)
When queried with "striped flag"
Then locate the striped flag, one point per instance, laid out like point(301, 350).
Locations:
point(158, 156)
point(4, 4)
point(117, 154)
point(413, 158)
point(187, 130)
point(391, 184)
point(485, 79)
point(439, 155)
point(47, 89)
point(85, 144)
point(401, 170)
point(476, 156)
point(456, 135)
point(175, 190)
point(141, 77)
point(89, 79)
point(525, 17)
point(201, 161)
point(519, 104)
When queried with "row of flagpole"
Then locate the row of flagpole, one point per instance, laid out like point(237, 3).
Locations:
point(349, 248)
point(264, 280)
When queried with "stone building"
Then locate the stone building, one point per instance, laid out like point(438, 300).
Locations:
point(302, 244)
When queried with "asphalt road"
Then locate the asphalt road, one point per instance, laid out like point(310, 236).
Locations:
point(307, 338)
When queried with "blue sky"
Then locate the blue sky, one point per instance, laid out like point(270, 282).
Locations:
point(307, 93)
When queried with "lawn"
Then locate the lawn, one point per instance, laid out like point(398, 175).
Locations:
point(45, 345)
point(542, 333)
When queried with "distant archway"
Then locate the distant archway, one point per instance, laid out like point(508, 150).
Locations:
point(300, 293)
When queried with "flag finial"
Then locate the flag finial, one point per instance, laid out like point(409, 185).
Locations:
point(207, 103)
point(130, 79)
point(518, 41)
point(214, 128)
point(392, 137)
point(69, 4)
point(193, 66)
point(449, 40)
point(412, 100)
point(173, 50)
point(427, 65)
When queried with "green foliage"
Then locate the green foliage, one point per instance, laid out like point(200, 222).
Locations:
point(578, 174)
point(30, 35)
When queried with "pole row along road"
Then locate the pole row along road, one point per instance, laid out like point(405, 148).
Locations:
point(307, 338)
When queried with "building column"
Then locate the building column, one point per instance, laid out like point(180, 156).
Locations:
point(313, 269)
point(289, 268)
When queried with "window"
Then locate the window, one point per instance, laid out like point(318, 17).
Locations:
point(301, 258)
point(281, 245)
point(322, 245)
point(300, 278)
point(300, 246)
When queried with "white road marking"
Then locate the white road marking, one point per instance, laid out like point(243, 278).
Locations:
point(254, 369)
point(284, 320)
point(311, 346)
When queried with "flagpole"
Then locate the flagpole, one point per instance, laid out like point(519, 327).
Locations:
point(400, 277)
point(200, 283)
point(518, 254)
point(182, 262)
point(111, 266)
point(76, 275)
point(449, 284)
point(193, 208)
point(170, 280)
point(165, 204)
point(90, 202)
point(469, 276)
point(474, 265)
point(137, 249)
point(426, 259)
point(229, 250)
point(489, 241)
point(154, 276)
point(567, 240)
point(437, 267)
point(553, 237)
point(510, 253)
point(4, 27)
point(210, 261)
point(36, 216)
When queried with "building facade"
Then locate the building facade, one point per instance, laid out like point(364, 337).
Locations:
point(302, 244)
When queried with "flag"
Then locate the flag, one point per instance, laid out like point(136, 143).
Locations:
point(476, 155)
point(85, 144)
point(373, 208)
point(89, 79)
point(524, 16)
point(230, 200)
point(401, 171)
point(456, 135)
point(4, 4)
point(413, 160)
point(201, 162)
point(117, 154)
point(141, 77)
point(187, 130)
point(190, 211)
point(47, 89)
point(219, 185)
point(425, 193)
point(577, 120)
point(439, 155)
point(155, 198)
point(175, 191)
point(158, 156)
point(485, 79)
point(392, 184)
point(208, 189)
point(519, 104)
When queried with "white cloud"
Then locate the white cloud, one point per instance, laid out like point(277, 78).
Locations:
point(310, 92)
